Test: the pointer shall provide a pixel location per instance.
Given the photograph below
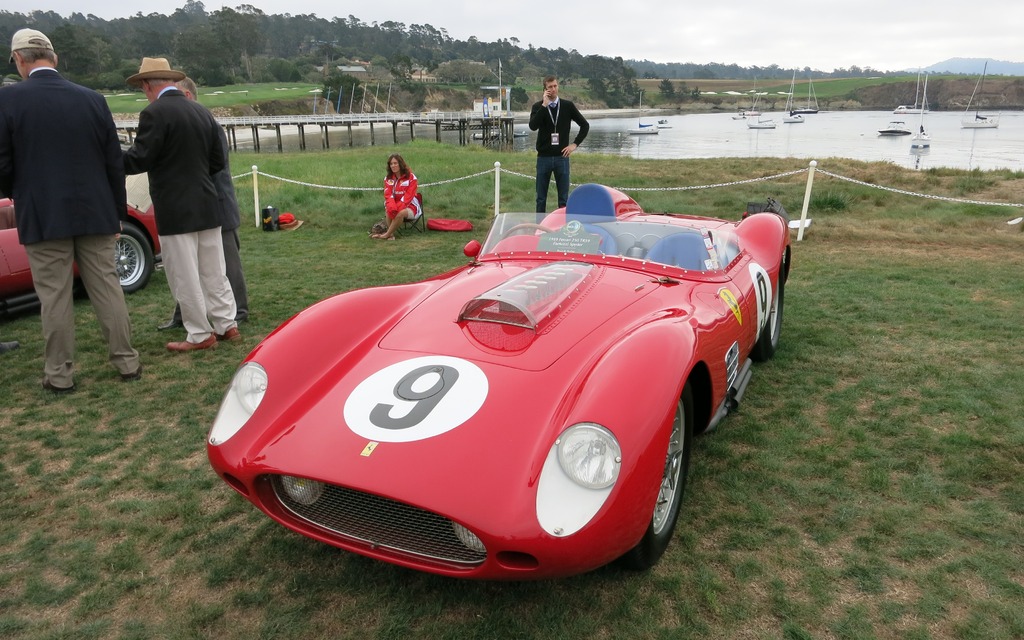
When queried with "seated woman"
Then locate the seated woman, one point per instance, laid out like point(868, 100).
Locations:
point(400, 201)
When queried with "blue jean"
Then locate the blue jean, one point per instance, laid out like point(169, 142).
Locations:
point(546, 165)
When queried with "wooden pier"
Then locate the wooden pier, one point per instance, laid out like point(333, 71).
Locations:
point(498, 128)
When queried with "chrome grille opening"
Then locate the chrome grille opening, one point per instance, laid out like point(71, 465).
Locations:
point(381, 522)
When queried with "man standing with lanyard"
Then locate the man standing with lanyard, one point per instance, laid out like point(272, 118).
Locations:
point(552, 118)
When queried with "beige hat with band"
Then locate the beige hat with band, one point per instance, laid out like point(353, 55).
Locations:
point(29, 39)
point(155, 69)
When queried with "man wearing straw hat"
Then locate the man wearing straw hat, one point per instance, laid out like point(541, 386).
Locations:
point(230, 221)
point(60, 161)
point(179, 143)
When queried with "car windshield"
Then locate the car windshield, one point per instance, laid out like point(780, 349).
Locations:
point(689, 243)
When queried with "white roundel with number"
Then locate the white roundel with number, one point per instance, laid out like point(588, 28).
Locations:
point(416, 399)
point(762, 294)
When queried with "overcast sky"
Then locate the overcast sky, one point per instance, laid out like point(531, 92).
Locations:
point(820, 34)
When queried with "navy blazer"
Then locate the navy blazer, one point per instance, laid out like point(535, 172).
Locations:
point(60, 159)
point(181, 145)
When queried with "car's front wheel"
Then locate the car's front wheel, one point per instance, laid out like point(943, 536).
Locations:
point(670, 494)
point(133, 258)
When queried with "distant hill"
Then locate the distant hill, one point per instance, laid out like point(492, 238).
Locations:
point(975, 65)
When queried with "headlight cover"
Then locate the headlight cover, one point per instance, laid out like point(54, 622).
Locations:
point(579, 473)
point(590, 455)
point(241, 400)
point(302, 490)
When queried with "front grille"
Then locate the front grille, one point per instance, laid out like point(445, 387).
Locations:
point(380, 522)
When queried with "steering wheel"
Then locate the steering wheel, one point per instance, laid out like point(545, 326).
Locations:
point(523, 226)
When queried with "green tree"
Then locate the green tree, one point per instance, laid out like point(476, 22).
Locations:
point(667, 89)
point(240, 37)
point(519, 97)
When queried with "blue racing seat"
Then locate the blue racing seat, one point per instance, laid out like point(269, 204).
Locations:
point(684, 250)
point(589, 204)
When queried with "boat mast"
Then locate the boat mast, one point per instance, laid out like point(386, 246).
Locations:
point(977, 108)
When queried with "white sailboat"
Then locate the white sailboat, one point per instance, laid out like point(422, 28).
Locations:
point(642, 129)
point(978, 121)
point(761, 123)
point(752, 111)
point(904, 109)
point(812, 100)
point(791, 117)
point(920, 140)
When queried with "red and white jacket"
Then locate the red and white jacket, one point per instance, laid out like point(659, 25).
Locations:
point(400, 193)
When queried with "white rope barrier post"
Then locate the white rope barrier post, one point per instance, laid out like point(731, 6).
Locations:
point(807, 200)
point(256, 194)
point(497, 188)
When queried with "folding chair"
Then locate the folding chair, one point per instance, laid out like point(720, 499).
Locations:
point(419, 223)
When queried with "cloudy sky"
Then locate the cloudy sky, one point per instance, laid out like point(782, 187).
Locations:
point(821, 34)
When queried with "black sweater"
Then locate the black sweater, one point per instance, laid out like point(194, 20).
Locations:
point(541, 121)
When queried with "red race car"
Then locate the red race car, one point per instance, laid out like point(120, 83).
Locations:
point(135, 251)
point(528, 415)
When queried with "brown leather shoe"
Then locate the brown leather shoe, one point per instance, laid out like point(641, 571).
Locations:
point(55, 389)
point(134, 375)
point(185, 345)
point(230, 335)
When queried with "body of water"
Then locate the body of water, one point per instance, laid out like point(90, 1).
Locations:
point(844, 134)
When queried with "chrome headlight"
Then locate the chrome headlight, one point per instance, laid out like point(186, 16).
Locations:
point(243, 397)
point(590, 455)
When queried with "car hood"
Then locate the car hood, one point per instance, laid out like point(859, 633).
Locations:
point(465, 318)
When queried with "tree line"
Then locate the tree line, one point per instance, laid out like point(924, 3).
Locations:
point(246, 45)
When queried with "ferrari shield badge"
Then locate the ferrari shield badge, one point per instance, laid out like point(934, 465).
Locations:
point(730, 300)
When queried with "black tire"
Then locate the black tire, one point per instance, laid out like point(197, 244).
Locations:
point(134, 259)
point(768, 342)
point(652, 545)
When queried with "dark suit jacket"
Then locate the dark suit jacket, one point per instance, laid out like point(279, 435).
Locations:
point(181, 145)
point(60, 159)
point(228, 211)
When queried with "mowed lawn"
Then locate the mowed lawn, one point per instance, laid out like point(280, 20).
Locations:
point(869, 486)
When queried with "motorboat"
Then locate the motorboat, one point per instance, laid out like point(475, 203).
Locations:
point(895, 128)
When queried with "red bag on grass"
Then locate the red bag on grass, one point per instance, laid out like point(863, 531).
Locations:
point(448, 224)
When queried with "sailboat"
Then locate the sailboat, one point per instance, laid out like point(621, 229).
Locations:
point(791, 116)
point(641, 128)
point(978, 121)
point(812, 100)
point(920, 140)
point(904, 109)
point(752, 111)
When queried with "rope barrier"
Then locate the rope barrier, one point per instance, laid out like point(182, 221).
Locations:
point(497, 171)
point(919, 195)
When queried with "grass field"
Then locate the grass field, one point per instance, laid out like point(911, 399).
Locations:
point(868, 487)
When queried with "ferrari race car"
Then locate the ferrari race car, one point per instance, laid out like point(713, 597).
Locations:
point(134, 252)
point(527, 415)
